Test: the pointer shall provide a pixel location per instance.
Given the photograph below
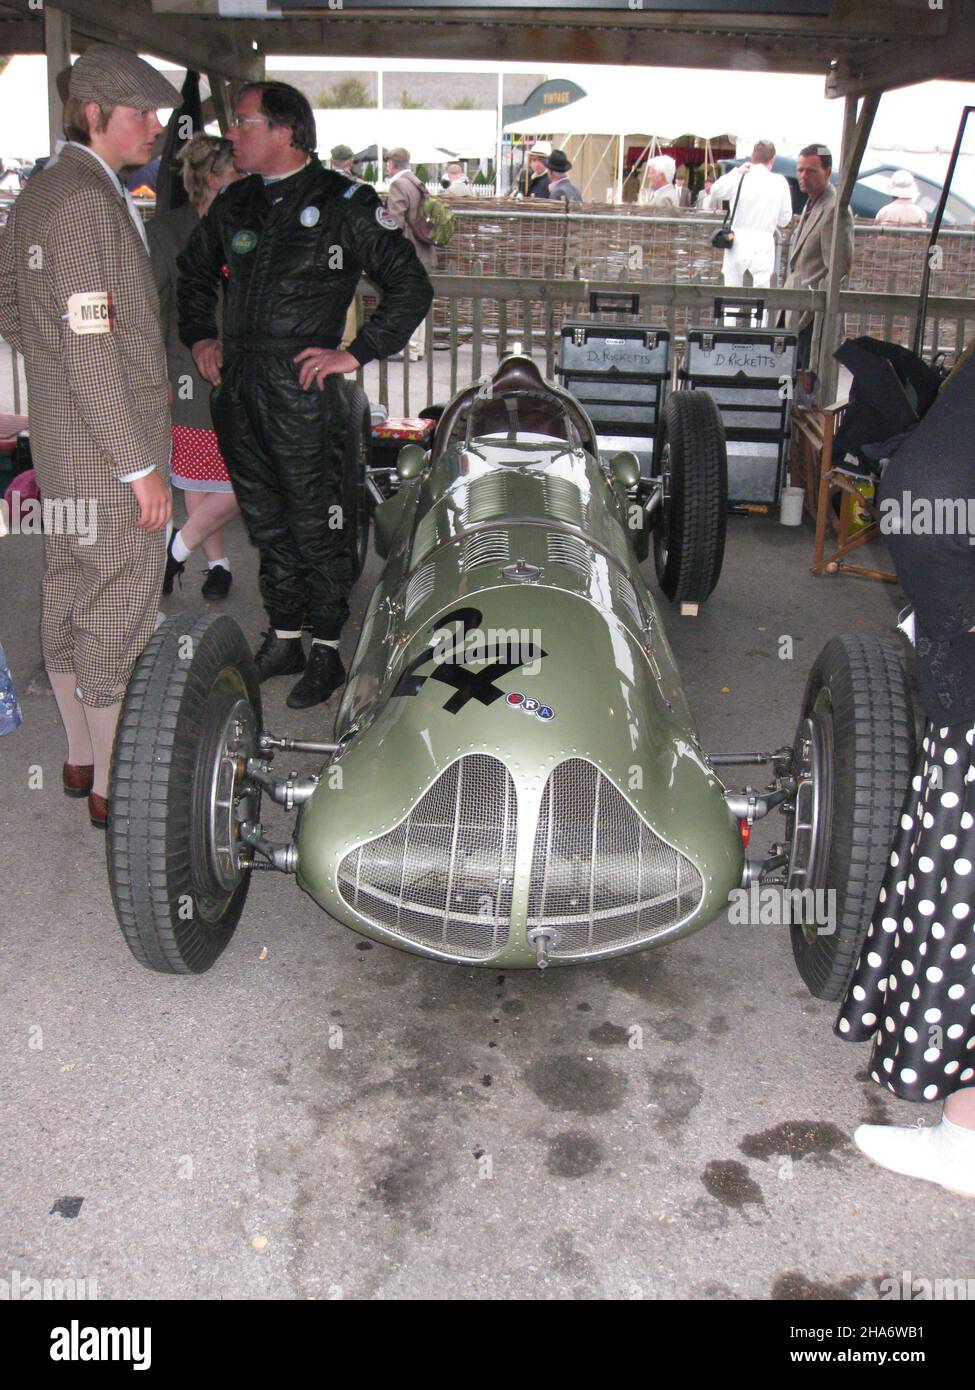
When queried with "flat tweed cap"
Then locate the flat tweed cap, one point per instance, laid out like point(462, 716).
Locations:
point(116, 77)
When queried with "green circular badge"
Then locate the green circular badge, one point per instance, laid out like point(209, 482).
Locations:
point(243, 242)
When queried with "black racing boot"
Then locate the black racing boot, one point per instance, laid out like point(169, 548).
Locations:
point(279, 656)
point(174, 568)
point(323, 675)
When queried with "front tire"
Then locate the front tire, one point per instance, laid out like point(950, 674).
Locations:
point(692, 461)
point(190, 719)
point(853, 757)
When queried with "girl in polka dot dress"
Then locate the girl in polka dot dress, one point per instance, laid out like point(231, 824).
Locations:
point(913, 989)
point(198, 468)
point(913, 986)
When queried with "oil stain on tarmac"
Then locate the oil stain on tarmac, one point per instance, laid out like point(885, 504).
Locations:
point(793, 1285)
point(796, 1139)
point(567, 1082)
point(729, 1181)
point(573, 1154)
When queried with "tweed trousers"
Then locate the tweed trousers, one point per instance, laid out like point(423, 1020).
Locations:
point(100, 592)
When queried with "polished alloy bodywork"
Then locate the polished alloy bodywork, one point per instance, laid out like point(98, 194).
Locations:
point(518, 773)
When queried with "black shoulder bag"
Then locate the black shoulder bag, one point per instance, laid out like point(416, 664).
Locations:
point(724, 237)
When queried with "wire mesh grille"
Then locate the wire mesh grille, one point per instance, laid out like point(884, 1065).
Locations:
point(599, 873)
point(443, 876)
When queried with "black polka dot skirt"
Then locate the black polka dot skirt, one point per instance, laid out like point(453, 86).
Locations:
point(913, 987)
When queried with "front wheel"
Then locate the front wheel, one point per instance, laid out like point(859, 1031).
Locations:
point(691, 461)
point(179, 793)
point(852, 761)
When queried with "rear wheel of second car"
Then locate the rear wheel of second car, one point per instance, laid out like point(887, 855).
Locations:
point(691, 462)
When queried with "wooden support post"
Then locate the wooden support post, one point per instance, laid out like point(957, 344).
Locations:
point(57, 46)
point(220, 95)
point(856, 131)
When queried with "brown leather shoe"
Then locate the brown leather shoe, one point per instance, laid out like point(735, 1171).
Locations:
point(98, 811)
point(77, 778)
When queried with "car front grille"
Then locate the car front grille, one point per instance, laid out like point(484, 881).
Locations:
point(600, 876)
point(443, 876)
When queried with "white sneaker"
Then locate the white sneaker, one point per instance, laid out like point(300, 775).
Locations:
point(942, 1153)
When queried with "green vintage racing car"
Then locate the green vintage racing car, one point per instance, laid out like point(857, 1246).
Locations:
point(516, 778)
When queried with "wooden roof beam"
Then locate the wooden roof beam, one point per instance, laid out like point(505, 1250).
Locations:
point(428, 36)
point(188, 42)
point(904, 63)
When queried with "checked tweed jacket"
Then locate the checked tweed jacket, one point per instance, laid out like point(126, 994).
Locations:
point(98, 409)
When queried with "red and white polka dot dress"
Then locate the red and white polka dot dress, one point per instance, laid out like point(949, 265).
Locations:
point(913, 988)
point(197, 463)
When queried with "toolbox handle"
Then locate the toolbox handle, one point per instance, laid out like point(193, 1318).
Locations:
point(751, 311)
point(614, 302)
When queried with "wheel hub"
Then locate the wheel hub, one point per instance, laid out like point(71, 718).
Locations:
point(232, 797)
point(810, 821)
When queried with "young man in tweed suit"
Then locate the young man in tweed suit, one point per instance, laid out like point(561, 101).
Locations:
point(78, 300)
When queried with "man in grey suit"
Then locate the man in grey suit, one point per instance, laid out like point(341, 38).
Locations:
point(809, 252)
point(77, 299)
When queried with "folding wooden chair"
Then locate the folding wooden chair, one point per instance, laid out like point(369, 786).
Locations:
point(835, 478)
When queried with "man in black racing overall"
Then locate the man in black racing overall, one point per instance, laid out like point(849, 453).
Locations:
point(288, 244)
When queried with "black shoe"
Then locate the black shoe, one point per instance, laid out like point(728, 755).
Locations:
point(279, 656)
point(174, 568)
point(323, 675)
point(217, 583)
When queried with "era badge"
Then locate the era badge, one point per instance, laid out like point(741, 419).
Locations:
point(387, 220)
point(244, 241)
point(308, 217)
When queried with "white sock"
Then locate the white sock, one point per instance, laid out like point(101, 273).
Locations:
point(179, 552)
point(286, 636)
point(325, 642)
point(224, 562)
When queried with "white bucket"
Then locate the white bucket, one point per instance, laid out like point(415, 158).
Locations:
point(790, 506)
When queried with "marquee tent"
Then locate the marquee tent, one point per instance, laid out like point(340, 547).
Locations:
point(914, 127)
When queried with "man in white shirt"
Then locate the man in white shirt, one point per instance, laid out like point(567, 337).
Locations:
point(764, 204)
